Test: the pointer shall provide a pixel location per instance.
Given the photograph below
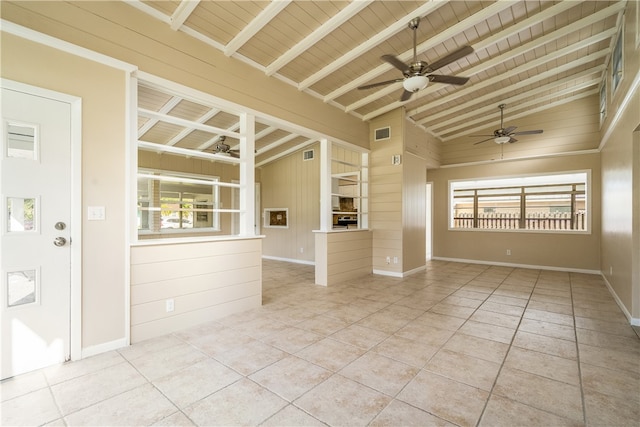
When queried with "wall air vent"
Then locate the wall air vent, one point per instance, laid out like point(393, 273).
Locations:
point(307, 155)
point(382, 134)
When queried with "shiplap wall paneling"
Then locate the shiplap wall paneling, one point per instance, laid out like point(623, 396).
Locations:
point(347, 255)
point(205, 280)
point(386, 193)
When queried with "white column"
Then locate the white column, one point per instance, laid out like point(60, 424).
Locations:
point(247, 174)
point(326, 220)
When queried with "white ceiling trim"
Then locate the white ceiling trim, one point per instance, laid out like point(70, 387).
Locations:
point(182, 13)
point(487, 108)
point(216, 138)
point(161, 148)
point(185, 123)
point(286, 152)
point(257, 24)
point(388, 32)
point(278, 143)
point(183, 133)
point(321, 32)
point(407, 55)
point(168, 106)
point(511, 53)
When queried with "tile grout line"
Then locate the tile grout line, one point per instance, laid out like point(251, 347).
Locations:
point(495, 381)
point(575, 332)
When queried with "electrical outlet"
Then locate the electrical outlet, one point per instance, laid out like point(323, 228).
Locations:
point(610, 270)
point(388, 260)
point(508, 251)
point(169, 305)
point(395, 259)
point(301, 250)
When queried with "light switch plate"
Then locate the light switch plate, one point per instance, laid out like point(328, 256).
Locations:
point(96, 213)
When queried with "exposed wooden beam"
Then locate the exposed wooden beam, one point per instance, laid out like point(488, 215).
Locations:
point(383, 35)
point(185, 123)
point(487, 119)
point(483, 44)
point(278, 142)
point(321, 32)
point(168, 106)
point(407, 55)
point(161, 148)
point(444, 126)
point(286, 152)
point(494, 80)
point(257, 24)
point(520, 50)
point(184, 132)
point(182, 13)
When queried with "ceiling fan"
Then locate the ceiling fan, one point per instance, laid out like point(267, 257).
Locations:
point(505, 135)
point(417, 74)
point(221, 147)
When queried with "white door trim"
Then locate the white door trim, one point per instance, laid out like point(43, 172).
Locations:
point(75, 303)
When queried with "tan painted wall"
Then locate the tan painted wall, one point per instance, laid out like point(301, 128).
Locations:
point(292, 183)
point(102, 90)
point(206, 281)
point(123, 32)
point(574, 251)
point(620, 259)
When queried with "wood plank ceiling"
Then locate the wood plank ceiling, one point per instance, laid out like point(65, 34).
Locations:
point(531, 55)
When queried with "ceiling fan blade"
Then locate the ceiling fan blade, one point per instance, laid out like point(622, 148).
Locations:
point(395, 62)
point(512, 140)
point(406, 95)
point(234, 153)
point(454, 56)
point(372, 85)
point(452, 80)
point(484, 140)
point(510, 129)
point(528, 132)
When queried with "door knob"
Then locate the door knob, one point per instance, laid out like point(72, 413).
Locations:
point(60, 241)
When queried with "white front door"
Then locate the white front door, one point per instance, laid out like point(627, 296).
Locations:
point(35, 252)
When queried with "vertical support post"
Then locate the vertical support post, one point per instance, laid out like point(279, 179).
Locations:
point(326, 220)
point(247, 174)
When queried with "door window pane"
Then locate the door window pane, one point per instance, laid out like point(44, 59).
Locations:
point(21, 214)
point(21, 287)
point(21, 142)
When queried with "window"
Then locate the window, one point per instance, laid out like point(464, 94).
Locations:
point(603, 100)
point(617, 62)
point(544, 202)
point(169, 202)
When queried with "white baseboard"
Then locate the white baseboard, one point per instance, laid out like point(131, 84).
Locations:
point(295, 261)
point(387, 273)
point(508, 264)
point(103, 348)
point(634, 321)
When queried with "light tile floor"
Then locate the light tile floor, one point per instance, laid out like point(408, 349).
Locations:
point(458, 344)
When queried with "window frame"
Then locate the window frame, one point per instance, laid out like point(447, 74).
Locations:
point(617, 63)
point(213, 181)
point(509, 181)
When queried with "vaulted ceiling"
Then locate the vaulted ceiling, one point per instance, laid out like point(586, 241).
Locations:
point(530, 55)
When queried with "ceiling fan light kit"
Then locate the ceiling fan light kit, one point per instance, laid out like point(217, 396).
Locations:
point(505, 135)
point(415, 83)
point(418, 74)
